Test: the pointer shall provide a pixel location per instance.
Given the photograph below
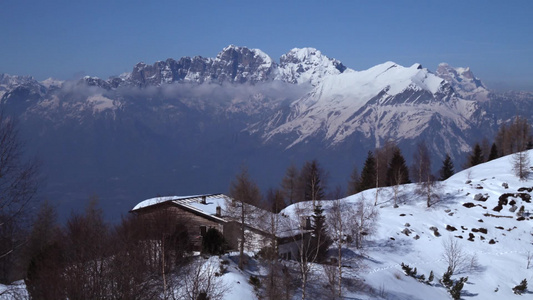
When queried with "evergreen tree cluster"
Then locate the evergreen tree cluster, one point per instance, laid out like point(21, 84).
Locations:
point(381, 169)
point(512, 138)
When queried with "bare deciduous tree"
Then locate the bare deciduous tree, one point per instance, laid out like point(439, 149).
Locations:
point(242, 207)
point(513, 137)
point(364, 223)
point(426, 184)
point(18, 185)
point(353, 183)
point(313, 180)
point(338, 217)
point(454, 255)
point(199, 280)
point(521, 165)
point(383, 156)
point(297, 227)
point(291, 186)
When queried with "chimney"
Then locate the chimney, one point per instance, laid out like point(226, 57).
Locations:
point(204, 201)
point(219, 211)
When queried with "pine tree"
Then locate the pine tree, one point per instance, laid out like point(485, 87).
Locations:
point(476, 157)
point(397, 173)
point(368, 174)
point(320, 240)
point(493, 152)
point(447, 169)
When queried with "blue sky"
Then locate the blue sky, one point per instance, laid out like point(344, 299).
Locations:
point(65, 39)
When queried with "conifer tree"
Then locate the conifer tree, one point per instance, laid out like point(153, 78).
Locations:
point(431, 277)
point(493, 152)
point(476, 157)
point(320, 239)
point(447, 169)
point(368, 174)
point(397, 173)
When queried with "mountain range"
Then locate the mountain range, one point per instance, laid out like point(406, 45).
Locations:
point(186, 126)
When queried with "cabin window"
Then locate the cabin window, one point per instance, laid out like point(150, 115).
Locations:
point(203, 230)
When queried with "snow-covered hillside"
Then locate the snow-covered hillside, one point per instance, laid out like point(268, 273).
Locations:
point(500, 241)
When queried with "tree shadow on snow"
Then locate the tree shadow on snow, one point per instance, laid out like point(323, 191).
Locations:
point(396, 245)
point(468, 294)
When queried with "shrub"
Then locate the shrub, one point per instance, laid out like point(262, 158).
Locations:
point(407, 270)
point(446, 278)
point(455, 290)
point(213, 242)
point(431, 277)
point(522, 287)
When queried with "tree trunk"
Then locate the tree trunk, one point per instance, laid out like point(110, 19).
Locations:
point(241, 246)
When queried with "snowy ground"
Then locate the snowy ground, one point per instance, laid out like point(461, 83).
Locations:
point(501, 266)
point(498, 266)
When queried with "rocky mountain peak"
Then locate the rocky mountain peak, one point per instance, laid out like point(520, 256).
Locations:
point(307, 65)
point(242, 64)
point(463, 81)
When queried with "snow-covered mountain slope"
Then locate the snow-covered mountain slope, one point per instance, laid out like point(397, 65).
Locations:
point(495, 243)
point(9, 82)
point(464, 82)
point(387, 101)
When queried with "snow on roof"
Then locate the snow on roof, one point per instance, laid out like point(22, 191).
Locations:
point(193, 202)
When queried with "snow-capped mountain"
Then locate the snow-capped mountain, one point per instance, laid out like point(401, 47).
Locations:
point(463, 80)
point(176, 124)
point(385, 102)
point(307, 65)
point(9, 82)
point(232, 65)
